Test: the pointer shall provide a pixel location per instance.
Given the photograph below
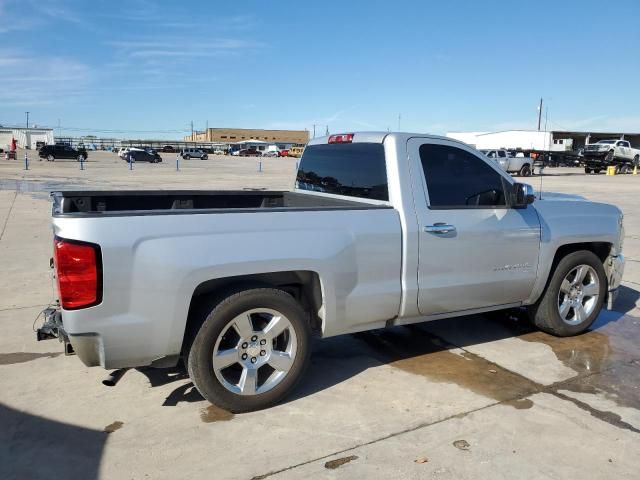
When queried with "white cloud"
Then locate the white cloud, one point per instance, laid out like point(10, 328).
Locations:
point(31, 80)
point(20, 15)
point(158, 48)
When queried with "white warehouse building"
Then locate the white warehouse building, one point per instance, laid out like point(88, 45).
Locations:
point(25, 137)
point(535, 140)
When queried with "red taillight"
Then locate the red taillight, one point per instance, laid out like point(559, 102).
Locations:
point(341, 138)
point(78, 272)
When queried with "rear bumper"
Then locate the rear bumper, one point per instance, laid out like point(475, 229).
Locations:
point(614, 267)
point(88, 346)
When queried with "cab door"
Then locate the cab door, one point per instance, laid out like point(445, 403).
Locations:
point(623, 149)
point(475, 250)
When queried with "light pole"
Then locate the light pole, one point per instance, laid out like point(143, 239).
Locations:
point(27, 113)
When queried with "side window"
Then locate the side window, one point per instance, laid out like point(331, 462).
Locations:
point(458, 179)
point(502, 154)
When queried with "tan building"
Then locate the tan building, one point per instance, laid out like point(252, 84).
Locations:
point(232, 135)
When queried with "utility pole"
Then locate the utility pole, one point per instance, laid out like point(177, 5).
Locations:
point(314, 130)
point(27, 119)
point(399, 118)
point(539, 113)
point(327, 130)
point(192, 131)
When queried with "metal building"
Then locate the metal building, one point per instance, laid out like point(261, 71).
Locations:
point(25, 137)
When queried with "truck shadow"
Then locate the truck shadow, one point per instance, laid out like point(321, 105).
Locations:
point(433, 349)
point(36, 448)
point(441, 351)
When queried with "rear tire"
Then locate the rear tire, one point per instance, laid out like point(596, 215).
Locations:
point(525, 171)
point(50, 158)
point(187, 157)
point(554, 312)
point(230, 386)
point(587, 170)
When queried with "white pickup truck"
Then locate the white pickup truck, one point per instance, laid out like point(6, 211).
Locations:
point(605, 153)
point(522, 166)
point(382, 229)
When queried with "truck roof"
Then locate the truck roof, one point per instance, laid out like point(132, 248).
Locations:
point(379, 137)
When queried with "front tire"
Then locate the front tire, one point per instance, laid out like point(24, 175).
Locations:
point(251, 349)
point(50, 158)
point(574, 296)
point(187, 157)
point(587, 170)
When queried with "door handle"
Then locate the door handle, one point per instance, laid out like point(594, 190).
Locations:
point(440, 228)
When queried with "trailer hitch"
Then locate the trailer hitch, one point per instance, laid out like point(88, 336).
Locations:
point(52, 328)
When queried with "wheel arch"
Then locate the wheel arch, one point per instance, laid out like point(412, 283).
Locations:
point(601, 249)
point(304, 285)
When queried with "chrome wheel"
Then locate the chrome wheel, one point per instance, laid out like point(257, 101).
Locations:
point(254, 352)
point(578, 296)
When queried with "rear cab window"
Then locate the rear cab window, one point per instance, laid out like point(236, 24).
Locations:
point(350, 169)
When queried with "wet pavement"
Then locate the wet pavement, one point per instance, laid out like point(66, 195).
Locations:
point(470, 397)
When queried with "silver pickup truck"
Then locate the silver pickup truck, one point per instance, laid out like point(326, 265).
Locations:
point(522, 166)
point(382, 229)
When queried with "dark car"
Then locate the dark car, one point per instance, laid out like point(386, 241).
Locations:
point(143, 156)
point(52, 152)
point(250, 152)
point(168, 149)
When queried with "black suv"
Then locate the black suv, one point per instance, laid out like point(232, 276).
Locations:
point(143, 156)
point(51, 152)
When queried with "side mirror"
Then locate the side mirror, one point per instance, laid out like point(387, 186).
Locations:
point(523, 195)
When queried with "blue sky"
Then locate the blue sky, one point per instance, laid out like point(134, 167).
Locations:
point(146, 68)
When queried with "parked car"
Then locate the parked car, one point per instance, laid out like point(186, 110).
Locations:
point(284, 153)
point(250, 152)
point(168, 149)
point(234, 153)
point(125, 151)
point(605, 153)
point(518, 165)
point(143, 156)
point(404, 227)
point(188, 153)
point(271, 153)
point(217, 151)
point(295, 152)
point(53, 152)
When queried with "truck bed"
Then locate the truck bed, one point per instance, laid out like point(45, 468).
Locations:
point(163, 202)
